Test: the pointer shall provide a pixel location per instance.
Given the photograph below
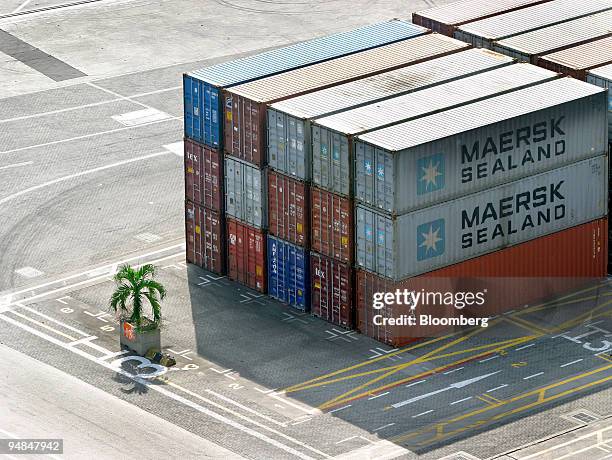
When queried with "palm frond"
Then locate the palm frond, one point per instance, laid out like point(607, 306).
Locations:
point(119, 297)
point(155, 306)
point(154, 286)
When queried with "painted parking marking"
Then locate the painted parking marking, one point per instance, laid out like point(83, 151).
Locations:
point(454, 370)
point(460, 400)
point(523, 347)
point(355, 437)
point(572, 362)
point(16, 165)
point(347, 336)
point(99, 316)
point(245, 408)
point(377, 352)
point(148, 237)
point(250, 297)
point(176, 266)
point(219, 371)
point(488, 359)
point(423, 413)
point(63, 299)
point(383, 427)
point(45, 326)
point(177, 148)
point(49, 318)
point(182, 353)
point(415, 383)
point(29, 272)
point(378, 396)
point(140, 117)
point(532, 376)
point(288, 318)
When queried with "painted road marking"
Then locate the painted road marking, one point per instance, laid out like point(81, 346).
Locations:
point(340, 408)
point(32, 320)
point(572, 362)
point(49, 318)
point(488, 359)
point(182, 354)
point(526, 346)
point(415, 383)
point(532, 376)
point(29, 272)
point(423, 413)
point(454, 370)
point(383, 427)
point(140, 117)
point(16, 165)
point(243, 407)
point(177, 148)
point(148, 237)
point(378, 396)
point(497, 388)
point(460, 400)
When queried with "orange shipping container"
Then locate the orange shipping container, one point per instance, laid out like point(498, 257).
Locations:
point(246, 247)
point(332, 225)
point(523, 274)
point(288, 209)
point(205, 239)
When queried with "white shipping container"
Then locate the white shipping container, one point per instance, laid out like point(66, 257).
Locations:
point(477, 146)
point(530, 45)
point(289, 148)
point(245, 192)
point(602, 76)
point(332, 144)
point(484, 32)
point(457, 230)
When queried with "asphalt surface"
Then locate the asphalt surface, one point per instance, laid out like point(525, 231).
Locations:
point(83, 188)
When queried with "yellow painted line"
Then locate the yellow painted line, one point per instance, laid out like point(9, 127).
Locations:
point(605, 358)
point(488, 396)
point(582, 317)
point(552, 303)
point(490, 403)
point(526, 325)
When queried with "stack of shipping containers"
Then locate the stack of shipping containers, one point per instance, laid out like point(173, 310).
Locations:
point(203, 142)
point(250, 186)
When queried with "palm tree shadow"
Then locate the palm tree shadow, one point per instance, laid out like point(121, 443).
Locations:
point(131, 386)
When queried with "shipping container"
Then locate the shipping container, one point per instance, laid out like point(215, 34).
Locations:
point(204, 175)
point(288, 273)
point(527, 273)
point(457, 230)
point(446, 18)
point(246, 255)
point(288, 209)
point(576, 61)
point(531, 45)
point(289, 120)
point(332, 290)
point(335, 133)
point(245, 105)
point(484, 32)
point(245, 193)
point(205, 237)
point(602, 76)
point(481, 145)
point(201, 88)
point(332, 225)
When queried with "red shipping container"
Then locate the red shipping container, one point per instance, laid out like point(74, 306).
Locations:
point(332, 225)
point(513, 277)
point(288, 209)
point(332, 290)
point(245, 129)
point(246, 255)
point(204, 233)
point(204, 175)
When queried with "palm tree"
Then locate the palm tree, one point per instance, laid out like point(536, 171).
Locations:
point(137, 285)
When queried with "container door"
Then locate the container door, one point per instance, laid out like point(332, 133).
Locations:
point(211, 116)
point(276, 139)
point(364, 173)
point(192, 100)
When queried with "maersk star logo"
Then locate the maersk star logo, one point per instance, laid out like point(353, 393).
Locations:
point(430, 239)
point(430, 174)
point(367, 165)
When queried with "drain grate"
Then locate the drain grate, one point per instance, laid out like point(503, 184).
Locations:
point(582, 416)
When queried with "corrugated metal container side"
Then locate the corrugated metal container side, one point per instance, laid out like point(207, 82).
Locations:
point(288, 273)
point(480, 145)
point(332, 225)
point(332, 290)
point(245, 193)
point(335, 133)
point(288, 209)
point(202, 99)
point(576, 61)
point(453, 231)
point(288, 123)
point(602, 76)
point(446, 18)
point(204, 175)
point(484, 32)
point(530, 45)
point(246, 255)
point(245, 105)
point(513, 277)
point(205, 237)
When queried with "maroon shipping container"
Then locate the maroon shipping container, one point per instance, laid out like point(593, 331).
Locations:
point(204, 175)
point(513, 277)
point(332, 290)
point(332, 225)
point(245, 129)
point(288, 209)
point(246, 255)
point(204, 232)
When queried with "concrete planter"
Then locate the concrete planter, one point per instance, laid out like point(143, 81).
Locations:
point(138, 342)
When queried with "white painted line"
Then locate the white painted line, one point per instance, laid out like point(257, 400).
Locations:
point(85, 136)
point(176, 397)
point(339, 409)
point(243, 407)
point(120, 96)
point(423, 413)
point(62, 301)
point(572, 362)
point(415, 383)
point(140, 117)
point(383, 427)
point(532, 376)
point(22, 6)
point(488, 359)
point(16, 165)
point(32, 320)
point(461, 400)
point(307, 410)
point(49, 318)
point(378, 396)
point(177, 148)
point(80, 174)
point(302, 421)
point(497, 388)
point(454, 370)
point(28, 272)
point(148, 237)
point(523, 347)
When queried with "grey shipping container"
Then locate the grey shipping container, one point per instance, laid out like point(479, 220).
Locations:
point(444, 19)
point(484, 32)
point(245, 193)
point(477, 224)
point(332, 136)
point(246, 104)
point(577, 60)
point(480, 145)
point(288, 127)
point(529, 46)
point(602, 76)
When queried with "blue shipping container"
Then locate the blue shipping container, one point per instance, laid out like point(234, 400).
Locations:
point(289, 273)
point(201, 88)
